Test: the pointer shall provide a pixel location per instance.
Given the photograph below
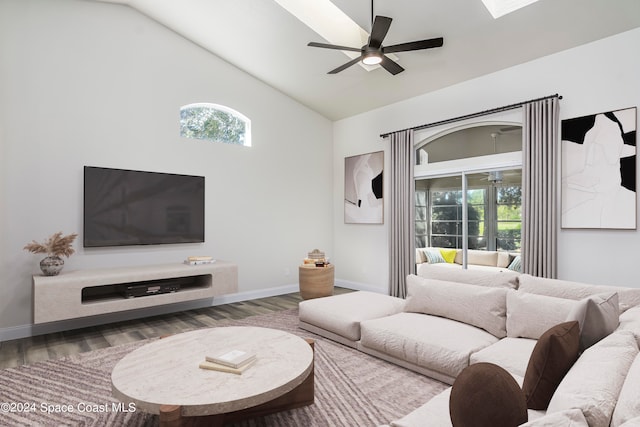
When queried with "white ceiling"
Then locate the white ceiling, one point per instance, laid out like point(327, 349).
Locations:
point(263, 39)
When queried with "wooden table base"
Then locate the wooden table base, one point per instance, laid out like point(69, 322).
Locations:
point(302, 395)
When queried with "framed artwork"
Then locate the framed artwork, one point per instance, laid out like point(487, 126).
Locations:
point(599, 170)
point(363, 202)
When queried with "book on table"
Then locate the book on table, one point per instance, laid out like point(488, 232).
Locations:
point(198, 260)
point(223, 368)
point(233, 359)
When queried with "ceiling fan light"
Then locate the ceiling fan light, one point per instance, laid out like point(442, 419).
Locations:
point(372, 59)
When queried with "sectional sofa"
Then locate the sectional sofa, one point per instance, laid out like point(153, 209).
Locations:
point(444, 326)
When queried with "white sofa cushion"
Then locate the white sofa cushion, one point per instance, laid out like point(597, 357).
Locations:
point(475, 275)
point(504, 259)
point(342, 314)
point(628, 406)
point(598, 316)
point(594, 382)
point(531, 315)
point(630, 321)
point(479, 306)
point(627, 297)
point(478, 257)
point(432, 342)
point(512, 354)
point(568, 418)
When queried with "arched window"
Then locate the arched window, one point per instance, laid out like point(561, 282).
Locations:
point(215, 123)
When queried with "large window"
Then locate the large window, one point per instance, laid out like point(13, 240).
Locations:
point(215, 123)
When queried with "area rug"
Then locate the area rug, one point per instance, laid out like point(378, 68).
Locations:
point(351, 388)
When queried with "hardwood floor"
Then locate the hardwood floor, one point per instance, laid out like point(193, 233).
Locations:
point(53, 346)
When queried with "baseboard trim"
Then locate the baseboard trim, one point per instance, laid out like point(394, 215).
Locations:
point(30, 330)
point(357, 286)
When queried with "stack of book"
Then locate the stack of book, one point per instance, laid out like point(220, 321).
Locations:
point(197, 260)
point(234, 361)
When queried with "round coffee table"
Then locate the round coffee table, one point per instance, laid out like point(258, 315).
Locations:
point(163, 377)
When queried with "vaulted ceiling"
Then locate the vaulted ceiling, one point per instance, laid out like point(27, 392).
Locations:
point(263, 39)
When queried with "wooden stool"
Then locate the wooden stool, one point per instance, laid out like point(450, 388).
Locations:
point(315, 281)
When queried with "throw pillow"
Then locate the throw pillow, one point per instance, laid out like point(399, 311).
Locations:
point(484, 394)
point(479, 306)
point(598, 316)
point(552, 357)
point(516, 264)
point(433, 256)
point(449, 255)
point(531, 315)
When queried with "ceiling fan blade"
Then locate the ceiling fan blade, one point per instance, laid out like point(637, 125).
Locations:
point(345, 66)
point(417, 45)
point(379, 30)
point(391, 66)
point(333, 46)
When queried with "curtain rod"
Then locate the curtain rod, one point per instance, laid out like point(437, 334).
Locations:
point(471, 116)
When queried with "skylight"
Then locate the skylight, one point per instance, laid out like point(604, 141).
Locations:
point(331, 23)
point(499, 8)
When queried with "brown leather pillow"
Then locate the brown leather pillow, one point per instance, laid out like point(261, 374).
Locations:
point(485, 395)
point(554, 354)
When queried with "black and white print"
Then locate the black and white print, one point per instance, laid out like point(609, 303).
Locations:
point(599, 170)
point(363, 203)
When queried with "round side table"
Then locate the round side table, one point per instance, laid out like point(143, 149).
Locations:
point(315, 282)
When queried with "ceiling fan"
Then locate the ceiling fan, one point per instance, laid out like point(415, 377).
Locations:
point(374, 53)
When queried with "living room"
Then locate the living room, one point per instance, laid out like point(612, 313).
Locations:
point(78, 92)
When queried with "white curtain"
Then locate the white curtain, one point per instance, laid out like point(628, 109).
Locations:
point(402, 212)
point(540, 151)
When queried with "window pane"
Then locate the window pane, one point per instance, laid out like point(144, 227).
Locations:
point(214, 123)
point(446, 197)
point(443, 241)
point(444, 228)
point(446, 213)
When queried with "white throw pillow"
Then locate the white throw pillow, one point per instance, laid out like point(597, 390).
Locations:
point(480, 306)
point(598, 316)
point(628, 406)
point(531, 315)
point(594, 382)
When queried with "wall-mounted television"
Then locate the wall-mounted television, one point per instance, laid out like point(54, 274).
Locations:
point(127, 207)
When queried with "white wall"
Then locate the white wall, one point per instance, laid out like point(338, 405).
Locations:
point(601, 76)
point(89, 83)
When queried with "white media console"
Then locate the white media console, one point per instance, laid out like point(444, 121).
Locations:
point(82, 293)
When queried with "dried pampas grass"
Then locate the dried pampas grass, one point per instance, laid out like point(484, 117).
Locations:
point(56, 245)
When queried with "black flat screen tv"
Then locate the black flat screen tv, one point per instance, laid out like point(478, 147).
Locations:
point(126, 207)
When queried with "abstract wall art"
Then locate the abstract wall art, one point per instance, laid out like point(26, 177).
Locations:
point(599, 170)
point(363, 203)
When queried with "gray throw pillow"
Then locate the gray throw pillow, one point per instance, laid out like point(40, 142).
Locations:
point(598, 316)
